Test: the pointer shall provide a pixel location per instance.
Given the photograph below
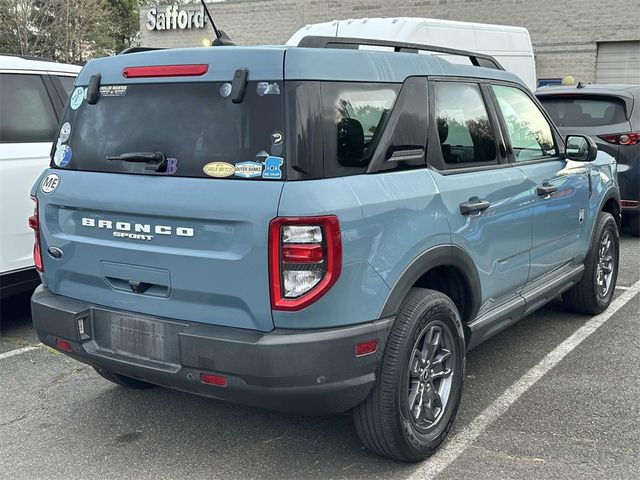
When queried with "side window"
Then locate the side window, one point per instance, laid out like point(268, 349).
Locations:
point(354, 116)
point(27, 114)
point(464, 129)
point(67, 84)
point(529, 131)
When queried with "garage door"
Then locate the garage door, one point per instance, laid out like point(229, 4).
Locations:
point(618, 62)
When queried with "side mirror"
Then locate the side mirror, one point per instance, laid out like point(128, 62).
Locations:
point(580, 148)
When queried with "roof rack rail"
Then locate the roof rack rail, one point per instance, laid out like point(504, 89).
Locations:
point(477, 59)
point(139, 49)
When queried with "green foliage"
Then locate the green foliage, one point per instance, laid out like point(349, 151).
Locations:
point(70, 31)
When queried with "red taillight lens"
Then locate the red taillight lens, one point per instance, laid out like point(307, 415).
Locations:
point(211, 379)
point(630, 138)
point(366, 348)
point(302, 253)
point(34, 222)
point(305, 259)
point(63, 345)
point(166, 71)
point(629, 203)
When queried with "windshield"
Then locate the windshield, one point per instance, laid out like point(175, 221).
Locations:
point(182, 129)
point(584, 111)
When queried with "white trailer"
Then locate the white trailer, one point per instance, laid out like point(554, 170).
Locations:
point(511, 46)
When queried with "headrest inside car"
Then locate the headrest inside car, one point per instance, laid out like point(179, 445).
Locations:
point(350, 142)
point(443, 129)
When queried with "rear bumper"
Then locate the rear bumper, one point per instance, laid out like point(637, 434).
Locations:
point(302, 371)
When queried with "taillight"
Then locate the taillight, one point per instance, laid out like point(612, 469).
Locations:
point(305, 259)
point(630, 138)
point(34, 222)
point(166, 71)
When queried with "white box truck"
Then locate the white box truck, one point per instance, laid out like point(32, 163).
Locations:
point(511, 46)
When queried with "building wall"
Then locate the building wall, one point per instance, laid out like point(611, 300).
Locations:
point(564, 32)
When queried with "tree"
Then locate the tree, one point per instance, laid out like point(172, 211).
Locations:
point(125, 17)
point(70, 31)
point(23, 21)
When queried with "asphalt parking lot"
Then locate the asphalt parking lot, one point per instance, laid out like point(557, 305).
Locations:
point(554, 396)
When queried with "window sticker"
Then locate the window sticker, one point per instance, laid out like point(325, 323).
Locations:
point(219, 169)
point(76, 98)
point(65, 132)
point(272, 167)
point(266, 88)
point(225, 90)
point(113, 90)
point(50, 183)
point(248, 169)
point(62, 157)
point(172, 166)
point(277, 138)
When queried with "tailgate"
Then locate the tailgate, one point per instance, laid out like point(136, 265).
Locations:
point(184, 248)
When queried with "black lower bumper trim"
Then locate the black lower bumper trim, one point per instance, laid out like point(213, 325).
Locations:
point(302, 371)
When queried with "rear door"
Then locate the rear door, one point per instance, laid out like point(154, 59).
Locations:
point(559, 188)
point(487, 203)
point(183, 234)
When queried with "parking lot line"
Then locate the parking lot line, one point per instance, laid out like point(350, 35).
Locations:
point(459, 442)
point(18, 351)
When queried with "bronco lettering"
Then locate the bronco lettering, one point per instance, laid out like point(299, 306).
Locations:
point(141, 229)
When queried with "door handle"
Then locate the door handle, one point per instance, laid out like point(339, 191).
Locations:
point(546, 189)
point(474, 204)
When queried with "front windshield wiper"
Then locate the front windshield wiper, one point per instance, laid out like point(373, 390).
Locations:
point(155, 160)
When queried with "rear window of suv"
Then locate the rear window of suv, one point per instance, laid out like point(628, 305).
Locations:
point(195, 126)
point(584, 111)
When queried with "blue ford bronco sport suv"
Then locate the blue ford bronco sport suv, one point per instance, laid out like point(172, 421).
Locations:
point(315, 229)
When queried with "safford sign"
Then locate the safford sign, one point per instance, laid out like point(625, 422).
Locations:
point(175, 18)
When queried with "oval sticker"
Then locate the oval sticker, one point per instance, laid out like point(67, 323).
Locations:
point(50, 183)
point(219, 169)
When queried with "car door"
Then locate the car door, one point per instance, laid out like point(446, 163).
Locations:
point(559, 188)
point(486, 202)
point(27, 126)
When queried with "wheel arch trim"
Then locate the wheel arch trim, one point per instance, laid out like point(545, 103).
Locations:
point(438, 256)
point(611, 193)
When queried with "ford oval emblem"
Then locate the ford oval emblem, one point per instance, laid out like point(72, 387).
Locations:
point(55, 252)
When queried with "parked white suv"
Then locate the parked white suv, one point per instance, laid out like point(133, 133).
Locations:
point(33, 94)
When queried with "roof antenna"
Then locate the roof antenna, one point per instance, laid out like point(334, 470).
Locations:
point(222, 38)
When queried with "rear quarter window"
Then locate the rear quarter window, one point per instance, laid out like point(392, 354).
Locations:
point(67, 84)
point(354, 116)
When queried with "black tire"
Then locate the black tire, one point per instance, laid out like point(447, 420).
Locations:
point(634, 224)
point(587, 296)
point(123, 381)
point(384, 421)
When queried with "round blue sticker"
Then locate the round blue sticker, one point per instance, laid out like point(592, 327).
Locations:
point(62, 157)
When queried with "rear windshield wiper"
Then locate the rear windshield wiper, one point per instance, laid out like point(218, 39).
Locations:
point(154, 160)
